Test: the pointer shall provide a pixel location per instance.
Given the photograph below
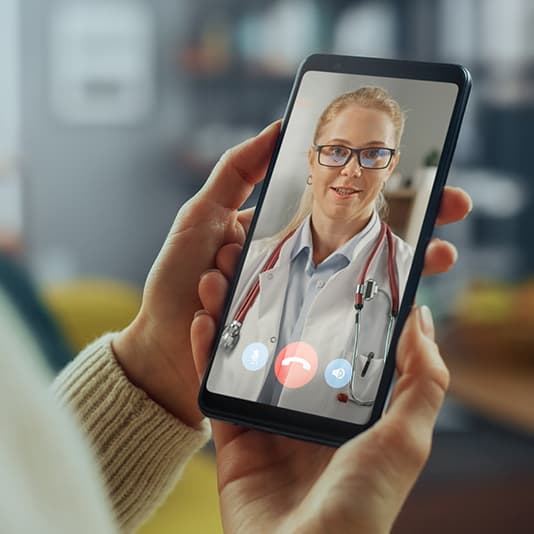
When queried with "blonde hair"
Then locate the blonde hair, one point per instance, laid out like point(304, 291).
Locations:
point(369, 97)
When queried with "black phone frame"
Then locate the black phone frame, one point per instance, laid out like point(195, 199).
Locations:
point(300, 425)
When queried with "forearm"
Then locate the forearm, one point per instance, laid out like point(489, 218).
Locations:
point(140, 447)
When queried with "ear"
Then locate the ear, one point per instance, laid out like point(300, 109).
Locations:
point(312, 154)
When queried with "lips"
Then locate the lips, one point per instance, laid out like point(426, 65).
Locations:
point(345, 191)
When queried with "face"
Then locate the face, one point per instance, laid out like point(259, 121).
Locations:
point(348, 193)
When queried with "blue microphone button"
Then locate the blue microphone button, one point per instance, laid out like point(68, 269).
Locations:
point(255, 356)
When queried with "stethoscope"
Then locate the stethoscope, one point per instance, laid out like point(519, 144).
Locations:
point(366, 290)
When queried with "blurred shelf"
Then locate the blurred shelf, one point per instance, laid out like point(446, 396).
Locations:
point(237, 75)
point(242, 82)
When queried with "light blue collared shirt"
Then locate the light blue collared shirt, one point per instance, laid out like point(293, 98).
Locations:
point(306, 281)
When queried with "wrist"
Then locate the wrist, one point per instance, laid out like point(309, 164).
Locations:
point(147, 367)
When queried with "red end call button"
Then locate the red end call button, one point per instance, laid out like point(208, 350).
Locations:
point(296, 364)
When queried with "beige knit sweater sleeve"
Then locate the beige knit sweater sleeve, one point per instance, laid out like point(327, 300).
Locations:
point(140, 447)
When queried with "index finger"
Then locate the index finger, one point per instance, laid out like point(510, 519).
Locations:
point(455, 206)
point(240, 169)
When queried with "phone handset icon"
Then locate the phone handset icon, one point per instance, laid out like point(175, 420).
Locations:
point(297, 359)
point(296, 364)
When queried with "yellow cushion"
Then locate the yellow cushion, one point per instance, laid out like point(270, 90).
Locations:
point(85, 309)
point(193, 506)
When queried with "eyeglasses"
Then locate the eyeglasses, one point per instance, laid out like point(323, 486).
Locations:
point(368, 158)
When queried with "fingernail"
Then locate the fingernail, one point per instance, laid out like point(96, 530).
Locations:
point(198, 313)
point(455, 252)
point(470, 208)
point(207, 272)
point(267, 128)
point(426, 321)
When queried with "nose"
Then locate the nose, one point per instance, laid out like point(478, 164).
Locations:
point(352, 167)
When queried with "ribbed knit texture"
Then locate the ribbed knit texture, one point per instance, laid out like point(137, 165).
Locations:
point(141, 448)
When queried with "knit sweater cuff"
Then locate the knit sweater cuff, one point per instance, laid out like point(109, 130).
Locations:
point(141, 448)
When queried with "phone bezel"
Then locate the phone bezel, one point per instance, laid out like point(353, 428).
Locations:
point(298, 424)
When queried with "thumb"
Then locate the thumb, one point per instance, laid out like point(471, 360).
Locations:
point(244, 217)
point(385, 461)
point(423, 377)
point(203, 331)
point(202, 335)
point(240, 169)
point(400, 442)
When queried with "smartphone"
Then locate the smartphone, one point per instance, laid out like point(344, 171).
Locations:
point(329, 270)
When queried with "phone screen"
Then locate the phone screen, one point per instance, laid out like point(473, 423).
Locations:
point(311, 319)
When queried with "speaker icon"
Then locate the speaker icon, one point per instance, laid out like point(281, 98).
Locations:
point(339, 373)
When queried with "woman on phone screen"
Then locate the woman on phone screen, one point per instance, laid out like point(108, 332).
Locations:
point(315, 336)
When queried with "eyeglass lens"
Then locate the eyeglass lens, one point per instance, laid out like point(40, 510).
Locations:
point(370, 158)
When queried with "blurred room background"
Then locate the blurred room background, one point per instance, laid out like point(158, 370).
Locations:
point(112, 113)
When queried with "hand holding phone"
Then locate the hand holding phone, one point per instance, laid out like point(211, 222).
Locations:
point(328, 272)
point(281, 484)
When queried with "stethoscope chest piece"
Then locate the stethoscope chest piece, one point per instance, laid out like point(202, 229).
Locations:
point(368, 289)
point(230, 336)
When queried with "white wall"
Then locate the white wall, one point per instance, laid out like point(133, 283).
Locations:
point(9, 77)
point(99, 199)
point(10, 189)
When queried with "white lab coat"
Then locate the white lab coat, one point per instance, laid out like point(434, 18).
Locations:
point(329, 328)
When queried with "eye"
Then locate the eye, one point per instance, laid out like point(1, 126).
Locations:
point(334, 155)
point(375, 158)
point(373, 153)
point(337, 152)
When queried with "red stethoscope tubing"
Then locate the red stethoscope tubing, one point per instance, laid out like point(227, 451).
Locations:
point(385, 233)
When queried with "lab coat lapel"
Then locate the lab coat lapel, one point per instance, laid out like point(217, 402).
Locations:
point(271, 298)
point(343, 284)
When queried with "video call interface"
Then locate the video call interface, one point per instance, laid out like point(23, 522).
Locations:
point(313, 313)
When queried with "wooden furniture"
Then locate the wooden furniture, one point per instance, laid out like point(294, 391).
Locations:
point(400, 204)
point(492, 370)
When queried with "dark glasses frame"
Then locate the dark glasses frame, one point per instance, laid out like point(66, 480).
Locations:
point(356, 151)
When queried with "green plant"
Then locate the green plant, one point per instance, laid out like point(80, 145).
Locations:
point(431, 158)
